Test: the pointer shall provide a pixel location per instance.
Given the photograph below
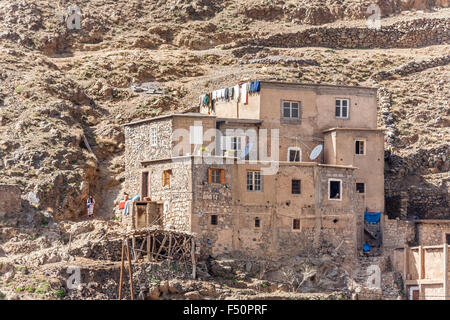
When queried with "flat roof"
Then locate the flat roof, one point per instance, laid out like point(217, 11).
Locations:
point(352, 129)
point(188, 114)
point(283, 163)
point(318, 85)
point(238, 120)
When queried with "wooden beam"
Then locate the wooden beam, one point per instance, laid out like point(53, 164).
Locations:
point(445, 267)
point(194, 262)
point(130, 270)
point(421, 263)
point(161, 246)
point(405, 266)
point(121, 269)
point(148, 248)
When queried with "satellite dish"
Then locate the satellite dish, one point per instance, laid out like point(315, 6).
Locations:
point(246, 150)
point(315, 152)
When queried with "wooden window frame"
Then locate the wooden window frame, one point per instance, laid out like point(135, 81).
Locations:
point(166, 174)
point(216, 172)
point(145, 184)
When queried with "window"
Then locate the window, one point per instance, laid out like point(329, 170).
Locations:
point(216, 175)
point(253, 181)
point(153, 136)
point(291, 109)
point(257, 222)
point(334, 189)
point(236, 143)
point(360, 187)
point(294, 154)
point(296, 224)
point(359, 147)
point(342, 106)
point(214, 220)
point(166, 177)
point(196, 135)
point(296, 186)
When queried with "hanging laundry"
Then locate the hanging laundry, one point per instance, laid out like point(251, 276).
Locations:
point(210, 103)
point(251, 88)
point(244, 93)
point(206, 99)
point(236, 93)
point(257, 86)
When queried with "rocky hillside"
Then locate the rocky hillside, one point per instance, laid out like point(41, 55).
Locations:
point(65, 92)
point(59, 86)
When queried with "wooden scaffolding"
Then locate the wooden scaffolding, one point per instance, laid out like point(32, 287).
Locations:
point(153, 244)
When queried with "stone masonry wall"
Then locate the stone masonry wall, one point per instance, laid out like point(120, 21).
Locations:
point(396, 233)
point(430, 234)
point(177, 195)
point(9, 199)
point(138, 148)
point(407, 34)
point(213, 199)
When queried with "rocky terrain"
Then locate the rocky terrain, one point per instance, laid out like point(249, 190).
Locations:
point(65, 92)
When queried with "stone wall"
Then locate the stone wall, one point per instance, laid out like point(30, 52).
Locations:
point(406, 34)
point(10, 202)
point(432, 233)
point(412, 67)
point(397, 233)
point(175, 199)
point(325, 227)
point(213, 199)
point(138, 148)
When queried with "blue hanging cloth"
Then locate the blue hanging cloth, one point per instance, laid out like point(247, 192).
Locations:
point(372, 217)
point(256, 86)
point(366, 247)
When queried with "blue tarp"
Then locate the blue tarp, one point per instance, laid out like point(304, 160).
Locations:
point(372, 217)
point(366, 247)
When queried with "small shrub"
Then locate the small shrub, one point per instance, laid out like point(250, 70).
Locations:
point(60, 293)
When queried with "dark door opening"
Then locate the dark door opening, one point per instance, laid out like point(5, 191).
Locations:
point(144, 185)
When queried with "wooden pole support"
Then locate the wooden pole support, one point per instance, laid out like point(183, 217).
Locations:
point(194, 262)
point(130, 270)
point(121, 269)
point(445, 256)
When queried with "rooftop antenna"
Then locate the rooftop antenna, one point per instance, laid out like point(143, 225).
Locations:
point(316, 152)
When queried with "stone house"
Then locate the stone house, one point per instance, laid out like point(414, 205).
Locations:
point(274, 171)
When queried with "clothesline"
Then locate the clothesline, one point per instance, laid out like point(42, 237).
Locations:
point(236, 93)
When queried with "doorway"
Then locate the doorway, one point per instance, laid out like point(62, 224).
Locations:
point(414, 293)
point(144, 185)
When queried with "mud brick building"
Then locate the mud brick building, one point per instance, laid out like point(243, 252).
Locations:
point(327, 155)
